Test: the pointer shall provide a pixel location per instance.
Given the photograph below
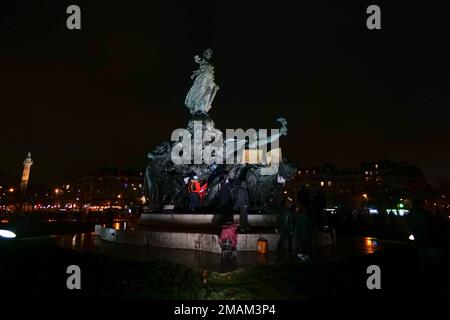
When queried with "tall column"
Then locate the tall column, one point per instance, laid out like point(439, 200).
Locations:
point(26, 174)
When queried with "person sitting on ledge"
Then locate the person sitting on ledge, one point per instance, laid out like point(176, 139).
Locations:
point(228, 236)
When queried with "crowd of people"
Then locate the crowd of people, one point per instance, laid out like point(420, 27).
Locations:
point(299, 219)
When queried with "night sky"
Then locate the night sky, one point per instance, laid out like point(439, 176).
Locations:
point(108, 94)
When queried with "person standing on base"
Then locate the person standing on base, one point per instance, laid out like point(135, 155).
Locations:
point(225, 195)
point(193, 188)
point(241, 204)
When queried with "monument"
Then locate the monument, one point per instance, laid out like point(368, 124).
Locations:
point(197, 158)
point(165, 183)
point(25, 174)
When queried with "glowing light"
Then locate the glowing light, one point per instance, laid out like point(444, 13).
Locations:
point(370, 245)
point(411, 237)
point(365, 195)
point(401, 205)
point(11, 189)
point(57, 191)
point(119, 196)
point(7, 234)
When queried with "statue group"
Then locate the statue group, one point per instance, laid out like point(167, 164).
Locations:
point(167, 183)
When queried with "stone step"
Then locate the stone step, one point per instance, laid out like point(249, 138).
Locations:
point(207, 242)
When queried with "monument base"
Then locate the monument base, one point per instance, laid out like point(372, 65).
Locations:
point(205, 241)
point(203, 220)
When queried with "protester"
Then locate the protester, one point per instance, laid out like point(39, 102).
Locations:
point(426, 237)
point(225, 194)
point(193, 189)
point(286, 228)
point(304, 232)
point(242, 203)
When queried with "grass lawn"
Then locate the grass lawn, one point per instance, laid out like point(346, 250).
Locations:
point(37, 269)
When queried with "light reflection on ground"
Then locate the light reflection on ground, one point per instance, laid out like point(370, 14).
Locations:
point(370, 245)
point(88, 242)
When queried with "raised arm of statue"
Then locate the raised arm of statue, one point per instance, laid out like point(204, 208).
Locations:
point(282, 132)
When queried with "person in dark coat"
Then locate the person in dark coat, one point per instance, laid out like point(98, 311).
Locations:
point(225, 194)
point(242, 203)
point(286, 228)
point(426, 237)
point(304, 233)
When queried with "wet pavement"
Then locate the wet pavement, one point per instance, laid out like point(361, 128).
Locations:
point(36, 267)
point(347, 247)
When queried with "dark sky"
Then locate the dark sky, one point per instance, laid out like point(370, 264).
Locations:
point(111, 92)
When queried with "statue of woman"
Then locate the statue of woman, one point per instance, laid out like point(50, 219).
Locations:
point(203, 91)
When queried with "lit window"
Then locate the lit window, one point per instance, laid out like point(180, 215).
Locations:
point(329, 183)
point(322, 183)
